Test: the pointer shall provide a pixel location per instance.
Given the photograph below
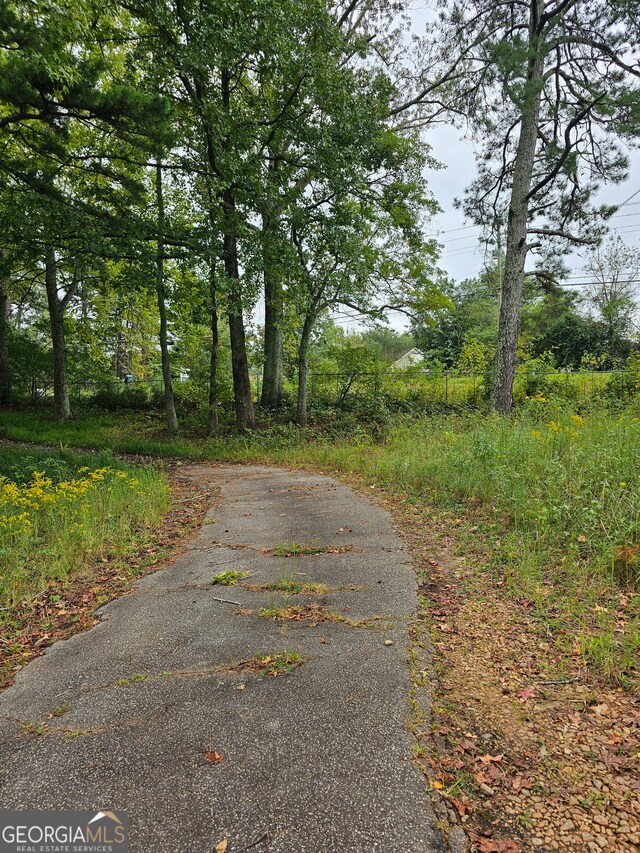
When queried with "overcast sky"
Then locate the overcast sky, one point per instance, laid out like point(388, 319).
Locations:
point(462, 256)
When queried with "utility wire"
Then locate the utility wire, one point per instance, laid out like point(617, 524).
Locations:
point(627, 200)
point(469, 227)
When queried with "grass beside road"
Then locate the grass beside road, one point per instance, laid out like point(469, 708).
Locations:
point(60, 512)
point(549, 501)
point(96, 523)
point(551, 505)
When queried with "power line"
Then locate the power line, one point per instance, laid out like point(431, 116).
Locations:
point(627, 200)
point(470, 227)
point(451, 230)
point(582, 278)
point(464, 237)
point(588, 283)
point(471, 247)
point(624, 215)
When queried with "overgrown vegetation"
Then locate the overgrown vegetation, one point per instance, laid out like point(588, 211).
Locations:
point(549, 499)
point(61, 512)
point(166, 171)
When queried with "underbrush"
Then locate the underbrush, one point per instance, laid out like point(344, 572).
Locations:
point(548, 501)
point(61, 512)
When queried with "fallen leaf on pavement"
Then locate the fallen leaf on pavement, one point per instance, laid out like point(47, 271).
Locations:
point(220, 848)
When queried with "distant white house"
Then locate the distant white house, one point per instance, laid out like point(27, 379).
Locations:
point(409, 359)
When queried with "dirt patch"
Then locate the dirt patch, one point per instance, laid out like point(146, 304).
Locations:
point(524, 757)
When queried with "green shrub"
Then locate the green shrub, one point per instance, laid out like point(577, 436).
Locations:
point(624, 385)
point(114, 397)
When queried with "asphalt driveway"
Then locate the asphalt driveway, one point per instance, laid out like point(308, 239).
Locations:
point(168, 711)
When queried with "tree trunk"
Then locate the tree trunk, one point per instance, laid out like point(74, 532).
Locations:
point(119, 355)
point(169, 403)
point(239, 362)
point(213, 367)
point(273, 307)
point(271, 396)
point(56, 305)
point(5, 371)
point(516, 248)
point(303, 369)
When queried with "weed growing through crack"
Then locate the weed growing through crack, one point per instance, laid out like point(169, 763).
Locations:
point(273, 663)
point(291, 586)
point(295, 549)
point(229, 578)
point(300, 612)
point(132, 679)
point(317, 614)
point(34, 729)
point(283, 663)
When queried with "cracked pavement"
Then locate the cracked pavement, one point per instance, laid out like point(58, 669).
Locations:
point(313, 762)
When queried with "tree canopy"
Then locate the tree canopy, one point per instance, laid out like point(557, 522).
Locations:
point(171, 170)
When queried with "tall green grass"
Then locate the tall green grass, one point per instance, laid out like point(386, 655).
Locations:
point(553, 501)
point(550, 498)
point(60, 513)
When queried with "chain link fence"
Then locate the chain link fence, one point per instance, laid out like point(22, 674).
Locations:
point(429, 387)
point(450, 387)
